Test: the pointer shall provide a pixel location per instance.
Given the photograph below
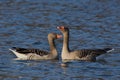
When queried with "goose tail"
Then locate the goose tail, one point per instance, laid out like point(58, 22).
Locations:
point(109, 49)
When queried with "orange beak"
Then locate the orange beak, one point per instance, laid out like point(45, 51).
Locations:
point(59, 36)
point(61, 28)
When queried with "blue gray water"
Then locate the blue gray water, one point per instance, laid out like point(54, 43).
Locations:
point(92, 23)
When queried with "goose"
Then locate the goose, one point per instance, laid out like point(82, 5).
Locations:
point(35, 54)
point(83, 54)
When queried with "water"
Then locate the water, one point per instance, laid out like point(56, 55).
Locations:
point(92, 23)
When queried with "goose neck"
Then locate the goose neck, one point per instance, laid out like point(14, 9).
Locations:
point(52, 46)
point(66, 42)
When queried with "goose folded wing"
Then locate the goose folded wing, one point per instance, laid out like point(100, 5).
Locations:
point(91, 52)
point(34, 51)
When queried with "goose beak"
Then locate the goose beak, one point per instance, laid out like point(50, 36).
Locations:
point(60, 28)
point(59, 36)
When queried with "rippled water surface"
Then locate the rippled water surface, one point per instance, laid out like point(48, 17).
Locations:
point(92, 23)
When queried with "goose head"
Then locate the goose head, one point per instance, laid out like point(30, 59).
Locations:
point(63, 29)
point(54, 36)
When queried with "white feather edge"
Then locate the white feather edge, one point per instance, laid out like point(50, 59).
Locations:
point(110, 50)
point(19, 55)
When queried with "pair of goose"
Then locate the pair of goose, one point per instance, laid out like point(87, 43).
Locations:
point(83, 54)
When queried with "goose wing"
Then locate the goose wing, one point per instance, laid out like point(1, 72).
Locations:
point(93, 52)
point(27, 51)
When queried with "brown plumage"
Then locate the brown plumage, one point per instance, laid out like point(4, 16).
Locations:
point(83, 54)
point(27, 51)
point(24, 53)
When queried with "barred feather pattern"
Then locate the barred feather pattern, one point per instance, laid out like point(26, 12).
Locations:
point(34, 51)
point(86, 52)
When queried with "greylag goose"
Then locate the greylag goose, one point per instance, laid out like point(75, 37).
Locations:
point(33, 54)
point(83, 54)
